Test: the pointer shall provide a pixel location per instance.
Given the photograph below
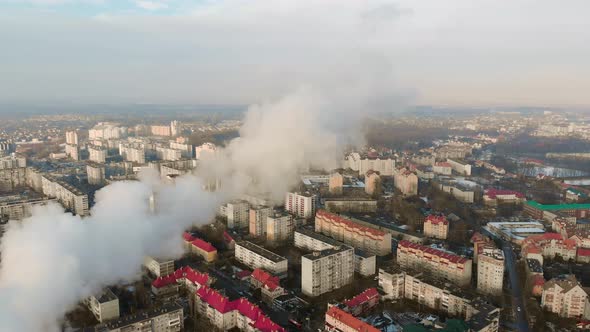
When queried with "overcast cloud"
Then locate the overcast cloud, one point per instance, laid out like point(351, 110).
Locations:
point(229, 51)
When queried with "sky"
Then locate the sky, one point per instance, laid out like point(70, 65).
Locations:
point(451, 53)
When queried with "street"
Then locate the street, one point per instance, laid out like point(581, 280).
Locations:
point(517, 296)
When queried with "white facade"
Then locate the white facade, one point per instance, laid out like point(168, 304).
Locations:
point(132, 153)
point(490, 271)
point(186, 150)
point(279, 227)
point(105, 306)
point(73, 151)
point(355, 162)
point(258, 216)
point(301, 205)
point(71, 198)
point(237, 213)
point(159, 267)
point(97, 154)
point(106, 131)
point(96, 174)
point(257, 257)
point(164, 153)
point(327, 270)
point(460, 167)
point(72, 137)
point(206, 149)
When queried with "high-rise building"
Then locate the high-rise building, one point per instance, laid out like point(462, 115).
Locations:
point(69, 196)
point(159, 267)
point(73, 151)
point(327, 270)
point(363, 164)
point(161, 130)
point(186, 150)
point(105, 130)
point(406, 181)
point(169, 317)
point(175, 128)
point(336, 183)
point(372, 183)
point(436, 226)
point(279, 227)
point(258, 215)
point(164, 153)
point(237, 213)
point(302, 205)
point(490, 271)
point(96, 173)
point(72, 137)
point(97, 154)
point(132, 152)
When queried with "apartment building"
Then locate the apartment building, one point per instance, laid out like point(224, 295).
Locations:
point(443, 168)
point(165, 318)
point(372, 183)
point(20, 206)
point(159, 267)
point(406, 181)
point(96, 173)
point(161, 130)
point(164, 153)
point(460, 167)
point(565, 297)
point(279, 227)
point(104, 306)
point(354, 233)
point(256, 257)
point(302, 205)
point(106, 130)
point(439, 295)
point(207, 150)
point(327, 270)
point(12, 161)
point(462, 193)
point(536, 210)
point(442, 264)
point(493, 197)
point(490, 271)
point(185, 277)
point(72, 137)
point(132, 152)
point(364, 263)
point(73, 151)
point(97, 154)
point(186, 150)
point(69, 196)
point(436, 226)
point(338, 320)
point(365, 163)
point(237, 213)
point(268, 284)
point(227, 315)
point(350, 205)
point(200, 247)
point(258, 216)
point(336, 183)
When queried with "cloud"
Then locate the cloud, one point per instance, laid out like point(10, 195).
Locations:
point(151, 5)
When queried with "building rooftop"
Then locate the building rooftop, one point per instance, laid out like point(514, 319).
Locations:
point(432, 251)
point(328, 252)
point(554, 207)
point(142, 315)
point(261, 251)
point(349, 320)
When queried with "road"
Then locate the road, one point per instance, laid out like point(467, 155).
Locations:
point(517, 296)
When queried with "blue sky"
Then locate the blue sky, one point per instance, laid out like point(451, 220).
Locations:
point(453, 52)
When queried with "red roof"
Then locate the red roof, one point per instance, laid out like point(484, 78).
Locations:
point(492, 193)
point(243, 274)
point(366, 296)
point(266, 279)
point(450, 257)
point(583, 252)
point(244, 307)
point(538, 280)
point(194, 276)
point(203, 245)
point(226, 237)
point(442, 164)
point(347, 222)
point(350, 321)
point(188, 237)
point(435, 219)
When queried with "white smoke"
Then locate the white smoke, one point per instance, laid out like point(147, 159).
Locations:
point(53, 260)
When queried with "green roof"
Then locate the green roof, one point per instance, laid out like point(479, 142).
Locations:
point(555, 207)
